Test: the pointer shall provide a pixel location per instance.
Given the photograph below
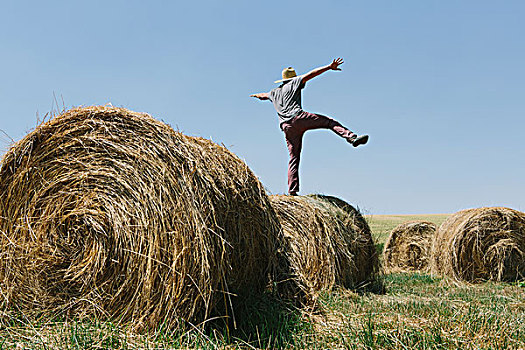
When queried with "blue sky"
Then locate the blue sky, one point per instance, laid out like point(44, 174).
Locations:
point(438, 86)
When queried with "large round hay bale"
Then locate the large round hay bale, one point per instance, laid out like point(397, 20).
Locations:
point(407, 248)
point(322, 245)
point(111, 213)
point(481, 244)
point(361, 243)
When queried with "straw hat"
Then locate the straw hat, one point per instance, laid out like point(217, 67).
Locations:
point(288, 73)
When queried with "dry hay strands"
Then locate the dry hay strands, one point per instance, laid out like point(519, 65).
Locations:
point(475, 245)
point(111, 213)
point(360, 243)
point(407, 248)
point(321, 249)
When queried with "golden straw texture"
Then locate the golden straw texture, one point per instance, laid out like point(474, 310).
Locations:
point(361, 243)
point(323, 246)
point(111, 213)
point(481, 244)
point(407, 248)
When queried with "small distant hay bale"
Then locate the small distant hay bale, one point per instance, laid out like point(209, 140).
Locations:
point(323, 245)
point(111, 213)
point(482, 244)
point(407, 248)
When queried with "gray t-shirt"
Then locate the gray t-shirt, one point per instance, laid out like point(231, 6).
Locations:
point(287, 99)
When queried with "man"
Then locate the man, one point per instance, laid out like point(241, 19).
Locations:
point(294, 122)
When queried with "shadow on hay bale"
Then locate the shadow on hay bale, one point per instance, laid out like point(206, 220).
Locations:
point(475, 245)
point(407, 248)
point(112, 213)
point(324, 245)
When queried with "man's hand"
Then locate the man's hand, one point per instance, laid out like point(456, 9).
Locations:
point(261, 96)
point(336, 63)
point(332, 66)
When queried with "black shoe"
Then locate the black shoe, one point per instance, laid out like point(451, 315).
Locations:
point(358, 140)
point(292, 194)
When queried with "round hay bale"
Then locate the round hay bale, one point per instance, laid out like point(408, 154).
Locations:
point(322, 246)
point(361, 244)
point(475, 245)
point(111, 213)
point(407, 248)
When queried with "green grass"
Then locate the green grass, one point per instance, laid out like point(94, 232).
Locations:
point(421, 312)
point(417, 311)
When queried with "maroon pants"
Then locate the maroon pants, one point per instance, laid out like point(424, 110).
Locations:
point(294, 130)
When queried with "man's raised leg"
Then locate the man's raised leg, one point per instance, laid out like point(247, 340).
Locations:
point(310, 121)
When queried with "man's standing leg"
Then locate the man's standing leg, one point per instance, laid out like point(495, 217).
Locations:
point(294, 141)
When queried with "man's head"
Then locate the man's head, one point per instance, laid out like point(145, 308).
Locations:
point(288, 73)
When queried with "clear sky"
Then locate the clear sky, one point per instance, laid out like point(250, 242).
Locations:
point(438, 85)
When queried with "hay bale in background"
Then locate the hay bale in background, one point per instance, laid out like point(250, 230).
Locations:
point(322, 247)
point(407, 248)
point(111, 213)
point(481, 244)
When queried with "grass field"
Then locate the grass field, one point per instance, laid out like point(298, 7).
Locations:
point(416, 311)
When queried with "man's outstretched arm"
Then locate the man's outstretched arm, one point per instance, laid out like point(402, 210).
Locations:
point(332, 66)
point(261, 96)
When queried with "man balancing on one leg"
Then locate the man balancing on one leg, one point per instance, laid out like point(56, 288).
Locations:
point(295, 122)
